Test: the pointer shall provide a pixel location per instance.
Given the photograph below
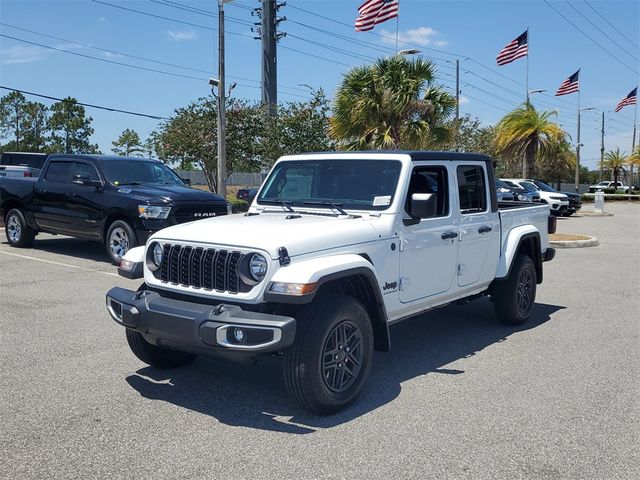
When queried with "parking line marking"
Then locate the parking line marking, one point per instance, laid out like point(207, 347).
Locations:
point(57, 263)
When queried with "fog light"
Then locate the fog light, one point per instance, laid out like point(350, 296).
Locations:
point(238, 334)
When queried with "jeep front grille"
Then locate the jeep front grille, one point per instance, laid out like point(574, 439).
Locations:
point(199, 267)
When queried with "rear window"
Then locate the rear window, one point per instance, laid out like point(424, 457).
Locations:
point(24, 160)
point(471, 189)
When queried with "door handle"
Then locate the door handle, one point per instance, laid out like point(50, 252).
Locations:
point(448, 235)
point(484, 229)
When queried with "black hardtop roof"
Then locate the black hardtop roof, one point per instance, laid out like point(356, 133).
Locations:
point(101, 158)
point(423, 155)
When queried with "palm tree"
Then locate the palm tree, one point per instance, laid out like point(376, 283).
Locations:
point(633, 160)
point(558, 163)
point(614, 162)
point(391, 104)
point(524, 135)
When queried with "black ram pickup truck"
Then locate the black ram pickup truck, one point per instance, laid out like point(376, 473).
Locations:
point(119, 201)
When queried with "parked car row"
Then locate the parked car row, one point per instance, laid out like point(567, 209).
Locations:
point(529, 190)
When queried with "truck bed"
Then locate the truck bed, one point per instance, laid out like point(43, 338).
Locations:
point(523, 214)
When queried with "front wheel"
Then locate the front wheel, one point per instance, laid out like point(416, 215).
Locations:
point(119, 240)
point(329, 363)
point(156, 356)
point(18, 233)
point(513, 298)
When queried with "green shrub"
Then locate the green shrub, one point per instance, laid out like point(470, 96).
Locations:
point(237, 205)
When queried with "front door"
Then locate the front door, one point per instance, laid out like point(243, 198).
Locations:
point(84, 204)
point(429, 249)
point(479, 229)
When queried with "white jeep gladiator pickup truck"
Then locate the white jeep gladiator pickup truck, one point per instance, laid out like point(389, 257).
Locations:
point(334, 249)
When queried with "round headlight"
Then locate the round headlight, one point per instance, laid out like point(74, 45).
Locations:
point(258, 267)
point(157, 255)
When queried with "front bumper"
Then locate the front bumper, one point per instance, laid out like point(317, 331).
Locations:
point(210, 330)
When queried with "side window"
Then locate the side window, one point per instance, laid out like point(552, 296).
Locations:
point(472, 189)
point(430, 180)
point(59, 172)
point(86, 169)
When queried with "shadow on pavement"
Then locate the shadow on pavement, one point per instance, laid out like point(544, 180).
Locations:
point(70, 247)
point(255, 396)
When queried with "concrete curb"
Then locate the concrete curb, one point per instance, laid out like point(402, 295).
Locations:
point(593, 214)
point(589, 242)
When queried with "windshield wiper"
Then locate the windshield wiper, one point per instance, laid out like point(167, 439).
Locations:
point(129, 183)
point(322, 203)
point(278, 201)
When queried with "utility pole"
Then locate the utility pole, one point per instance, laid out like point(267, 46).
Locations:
point(222, 97)
point(578, 153)
point(268, 33)
point(457, 89)
point(602, 146)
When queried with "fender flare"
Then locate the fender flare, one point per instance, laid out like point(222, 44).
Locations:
point(325, 270)
point(511, 246)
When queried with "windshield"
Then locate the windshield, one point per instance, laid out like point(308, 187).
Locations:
point(604, 183)
point(138, 172)
point(349, 184)
point(529, 187)
point(501, 184)
point(544, 187)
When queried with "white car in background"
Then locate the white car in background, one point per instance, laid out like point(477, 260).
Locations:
point(558, 202)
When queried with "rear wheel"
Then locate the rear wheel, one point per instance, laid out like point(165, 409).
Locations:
point(119, 240)
point(18, 233)
point(156, 356)
point(330, 360)
point(514, 298)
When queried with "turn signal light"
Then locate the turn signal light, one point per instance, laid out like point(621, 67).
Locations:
point(293, 288)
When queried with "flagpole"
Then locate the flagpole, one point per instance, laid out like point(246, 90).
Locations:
point(633, 141)
point(397, 27)
point(528, 53)
point(578, 148)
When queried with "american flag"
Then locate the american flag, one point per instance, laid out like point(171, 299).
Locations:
point(515, 49)
point(373, 12)
point(628, 100)
point(570, 85)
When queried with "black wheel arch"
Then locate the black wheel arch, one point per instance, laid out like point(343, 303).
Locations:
point(112, 217)
point(359, 283)
point(530, 245)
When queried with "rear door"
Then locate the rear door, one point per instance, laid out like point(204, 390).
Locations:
point(428, 249)
point(51, 201)
point(479, 230)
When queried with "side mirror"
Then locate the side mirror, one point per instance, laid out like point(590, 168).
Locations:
point(187, 181)
point(423, 205)
point(86, 181)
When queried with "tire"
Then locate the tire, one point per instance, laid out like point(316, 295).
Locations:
point(321, 369)
point(18, 233)
point(119, 240)
point(514, 298)
point(155, 356)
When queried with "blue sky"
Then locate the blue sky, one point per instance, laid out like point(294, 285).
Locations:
point(473, 31)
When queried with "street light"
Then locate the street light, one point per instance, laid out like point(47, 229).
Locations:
point(409, 51)
point(584, 109)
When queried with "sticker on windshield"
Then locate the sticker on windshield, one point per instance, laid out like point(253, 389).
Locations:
point(124, 190)
point(382, 201)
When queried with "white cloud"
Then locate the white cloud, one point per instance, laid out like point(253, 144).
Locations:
point(180, 35)
point(463, 99)
point(102, 19)
point(22, 54)
point(111, 55)
point(424, 36)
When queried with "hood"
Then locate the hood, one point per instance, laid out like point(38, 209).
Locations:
point(270, 231)
point(169, 194)
point(575, 196)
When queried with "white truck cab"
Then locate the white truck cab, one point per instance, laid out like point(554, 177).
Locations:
point(335, 247)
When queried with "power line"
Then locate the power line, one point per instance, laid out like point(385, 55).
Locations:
point(603, 33)
point(199, 11)
point(154, 117)
point(123, 64)
point(610, 24)
point(123, 54)
point(591, 39)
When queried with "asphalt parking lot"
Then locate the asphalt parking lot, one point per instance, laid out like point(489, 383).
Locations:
point(459, 396)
